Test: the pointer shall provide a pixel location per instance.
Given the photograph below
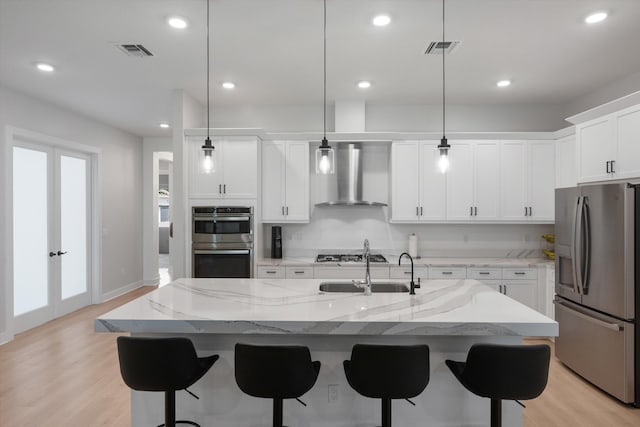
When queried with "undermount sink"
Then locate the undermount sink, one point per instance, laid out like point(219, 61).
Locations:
point(375, 287)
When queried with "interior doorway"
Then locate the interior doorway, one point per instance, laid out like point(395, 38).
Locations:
point(165, 184)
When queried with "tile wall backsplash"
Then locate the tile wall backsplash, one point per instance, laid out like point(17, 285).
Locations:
point(345, 228)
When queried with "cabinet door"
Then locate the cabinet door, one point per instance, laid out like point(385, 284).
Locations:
point(297, 181)
point(523, 291)
point(405, 181)
point(566, 162)
point(541, 170)
point(460, 182)
point(240, 157)
point(432, 184)
point(627, 159)
point(513, 180)
point(486, 181)
point(201, 184)
point(273, 178)
point(595, 141)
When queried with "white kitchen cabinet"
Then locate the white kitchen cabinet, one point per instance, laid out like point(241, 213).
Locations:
point(403, 272)
point(527, 173)
point(473, 181)
point(447, 272)
point(299, 272)
point(608, 147)
point(566, 162)
point(274, 272)
point(523, 291)
point(285, 181)
point(236, 169)
point(418, 187)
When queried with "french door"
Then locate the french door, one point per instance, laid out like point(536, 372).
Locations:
point(51, 233)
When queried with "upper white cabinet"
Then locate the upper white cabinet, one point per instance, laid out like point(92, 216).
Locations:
point(473, 181)
point(566, 162)
point(285, 181)
point(527, 175)
point(417, 186)
point(236, 169)
point(608, 147)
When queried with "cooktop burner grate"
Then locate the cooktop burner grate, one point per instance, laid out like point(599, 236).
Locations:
point(349, 258)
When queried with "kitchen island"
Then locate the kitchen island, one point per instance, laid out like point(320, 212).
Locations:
point(448, 315)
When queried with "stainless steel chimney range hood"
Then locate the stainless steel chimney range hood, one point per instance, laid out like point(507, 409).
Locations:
point(349, 176)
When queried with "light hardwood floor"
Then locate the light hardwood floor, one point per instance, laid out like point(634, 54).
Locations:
point(64, 374)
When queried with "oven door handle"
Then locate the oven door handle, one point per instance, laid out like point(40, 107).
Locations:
point(222, 218)
point(222, 252)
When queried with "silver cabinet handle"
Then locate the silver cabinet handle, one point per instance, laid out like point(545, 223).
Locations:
point(417, 211)
point(219, 188)
point(447, 273)
point(525, 211)
point(612, 170)
point(484, 273)
point(519, 273)
point(420, 210)
point(608, 162)
point(475, 209)
point(287, 210)
point(271, 272)
point(283, 211)
point(471, 211)
point(613, 326)
point(298, 272)
point(224, 188)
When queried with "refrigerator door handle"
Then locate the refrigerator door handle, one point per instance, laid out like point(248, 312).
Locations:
point(574, 245)
point(613, 326)
point(587, 246)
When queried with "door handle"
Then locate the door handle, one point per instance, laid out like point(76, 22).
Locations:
point(525, 211)
point(287, 210)
point(283, 211)
point(608, 166)
point(420, 210)
point(219, 188)
point(471, 211)
point(613, 326)
point(224, 188)
point(475, 211)
point(587, 246)
point(578, 243)
point(52, 254)
point(171, 229)
point(417, 211)
point(612, 162)
point(60, 253)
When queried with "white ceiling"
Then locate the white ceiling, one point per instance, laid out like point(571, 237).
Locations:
point(272, 50)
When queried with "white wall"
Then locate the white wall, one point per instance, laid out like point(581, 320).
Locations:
point(121, 182)
point(345, 228)
point(607, 93)
point(394, 118)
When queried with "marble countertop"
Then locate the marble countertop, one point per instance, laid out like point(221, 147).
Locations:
point(291, 306)
point(427, 261)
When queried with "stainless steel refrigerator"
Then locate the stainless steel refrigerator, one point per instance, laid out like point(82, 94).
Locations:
point(597, 293)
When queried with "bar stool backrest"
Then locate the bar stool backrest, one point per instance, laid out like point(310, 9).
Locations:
point(517, 372)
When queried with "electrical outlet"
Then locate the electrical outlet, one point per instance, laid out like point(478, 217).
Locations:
point(333, 393)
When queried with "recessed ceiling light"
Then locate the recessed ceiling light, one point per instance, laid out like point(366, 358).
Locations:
point(364, 84)
point(381, 20)
point(503, 83)
point(177, 22)
point(228, 85)
point(44, 67)
point(596, 17)
point(164, 125)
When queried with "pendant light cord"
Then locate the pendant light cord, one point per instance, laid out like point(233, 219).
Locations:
point(208, 113)
point(325, 72)
point(443, 75)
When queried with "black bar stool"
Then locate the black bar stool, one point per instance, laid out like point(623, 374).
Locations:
point(503, 372)
point(275, 372)
point(162, 364)
point(388, 372)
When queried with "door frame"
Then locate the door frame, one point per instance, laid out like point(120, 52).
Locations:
point(14, 134)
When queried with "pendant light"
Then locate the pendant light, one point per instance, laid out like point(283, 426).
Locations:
point(208, 150)
point(443, 162)
point(325, 155)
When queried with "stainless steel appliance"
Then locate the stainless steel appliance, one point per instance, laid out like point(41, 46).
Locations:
point(276, 241)
point(345, 258)
point(222, 241)
point(597, 286)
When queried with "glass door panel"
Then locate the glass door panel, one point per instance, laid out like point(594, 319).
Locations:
point(30, 230)
point(73, 226)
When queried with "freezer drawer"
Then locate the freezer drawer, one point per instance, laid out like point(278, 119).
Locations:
point(598, 348)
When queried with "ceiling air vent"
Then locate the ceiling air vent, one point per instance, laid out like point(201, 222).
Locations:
point(436, 48)
point(136, 50)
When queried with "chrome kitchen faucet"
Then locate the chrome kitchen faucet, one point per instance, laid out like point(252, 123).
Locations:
point(366, 283)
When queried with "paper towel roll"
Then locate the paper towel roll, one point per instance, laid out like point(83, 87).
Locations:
point(413, 245)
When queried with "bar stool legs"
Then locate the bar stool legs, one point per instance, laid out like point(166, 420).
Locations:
point(496, 412)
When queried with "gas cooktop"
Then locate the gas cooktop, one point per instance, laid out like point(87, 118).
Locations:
point(349, 258)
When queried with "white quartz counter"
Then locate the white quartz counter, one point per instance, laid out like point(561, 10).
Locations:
point(291, 306)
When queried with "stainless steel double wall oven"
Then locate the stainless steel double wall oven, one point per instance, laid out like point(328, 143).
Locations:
point(222, 241)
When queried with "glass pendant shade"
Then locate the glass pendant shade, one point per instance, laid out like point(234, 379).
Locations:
point(443, 162)
point(208, 157)
point(325, 159)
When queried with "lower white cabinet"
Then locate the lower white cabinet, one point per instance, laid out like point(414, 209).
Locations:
point(277, 272)
point(403, 272)
point(447, 272)
point(523, 291)
point(305, 272)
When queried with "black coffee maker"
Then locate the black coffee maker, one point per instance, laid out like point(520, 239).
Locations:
point(276, 241)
